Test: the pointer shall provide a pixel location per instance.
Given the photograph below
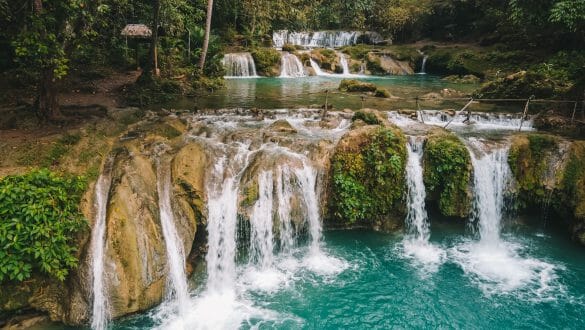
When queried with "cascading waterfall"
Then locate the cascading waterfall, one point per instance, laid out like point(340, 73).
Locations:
point(416, 220)
point(491, 176)
point(416, 243)
point(317, 69)
point(497, 265)
point(291, 66)
point(178, 292)
point(262, 238)
point(344, 64)
point(239, 65)
point(329, 39)
point(284, 193)
point(100, 312)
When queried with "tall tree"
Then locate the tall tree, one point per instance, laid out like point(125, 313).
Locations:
point(207, 34)
point(152, 66)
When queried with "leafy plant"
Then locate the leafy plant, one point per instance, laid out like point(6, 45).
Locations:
point(39, 218)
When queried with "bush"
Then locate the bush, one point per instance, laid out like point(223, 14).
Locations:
point(447, 174)
point(352, 85)
point(267, 61)
point(368, 180)
point(383, 93)
point(367, 117)
point(39, 219)
point(289, 48)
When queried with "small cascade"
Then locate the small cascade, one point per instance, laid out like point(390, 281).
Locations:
point(317, 69)
point(262, 238)
point(178, 291)
point(100, 311)
point(291, 66)
point(423, 66)
point(307, 179)
point(416, 243)
point(239, 65)
point(477, 120)
point(344, 64)
point(491, 176)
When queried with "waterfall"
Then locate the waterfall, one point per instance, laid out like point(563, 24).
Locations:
point(424, 65)
point(262, 238)
point(416, 220)
point(491, 176)
point(239, 65)
point(416, 243)
point(317, 69)
point(100, 311)
point(344, 64)
point(284, 193)
point(307, 178)
point(291, 66)
point(177, 279)
point(328, 39)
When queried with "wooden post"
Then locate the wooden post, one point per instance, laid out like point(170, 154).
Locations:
point(324, 112)
point(363, 101)
point(460, 111)
point(419, 111)
point(525, 112)
point(574, 112)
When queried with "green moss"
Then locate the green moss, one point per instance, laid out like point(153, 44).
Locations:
point(251, 195)
point(382, 93)
point(267, 61)
point(289, 48)
point(357, 52)
point(351, 85)
point(447, 174)
point(368, 178)
point(367, 117)
point(572, 189)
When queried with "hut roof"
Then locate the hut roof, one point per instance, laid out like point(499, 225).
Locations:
point(136, 31)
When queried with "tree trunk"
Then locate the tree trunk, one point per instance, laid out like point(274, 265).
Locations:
point(46, 102)
point(207, 33)
point(152, 65)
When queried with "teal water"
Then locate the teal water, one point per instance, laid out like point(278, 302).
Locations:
point(279, 93)
point(377, 287)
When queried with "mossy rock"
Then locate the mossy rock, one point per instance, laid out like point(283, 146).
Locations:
point(382, 93)
point(448, 173)
point(368, 178)
point(522, 84)
point(528, 158)
point(571, 196)
point(267, 61)
point(352, 85)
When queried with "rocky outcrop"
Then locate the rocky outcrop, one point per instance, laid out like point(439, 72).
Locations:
point(381, 64)
point(448, 173)
point(368, 178)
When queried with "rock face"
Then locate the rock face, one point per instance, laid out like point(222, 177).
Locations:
point(380, 64)
point(448, 174)
point(367, 178)
point(550, 171)
point(135, 250)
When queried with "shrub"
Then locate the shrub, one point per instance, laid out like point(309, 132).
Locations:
point(289, 48)
point(39, 219)
point(367, 117)
point(351, 85)
point(382, 92)
point(267, 61)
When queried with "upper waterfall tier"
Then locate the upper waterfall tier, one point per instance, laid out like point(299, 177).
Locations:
point(328, 39)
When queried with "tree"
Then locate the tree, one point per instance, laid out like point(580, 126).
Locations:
point(207, 34)
point(152, 65)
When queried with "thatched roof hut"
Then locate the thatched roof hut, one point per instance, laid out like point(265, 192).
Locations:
point(136, 31)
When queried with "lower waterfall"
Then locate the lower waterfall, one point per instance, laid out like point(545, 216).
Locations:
point(291, 66)
point(100, 312)
point(178, 291)
point(239, 65)
point(498, 265)
point(416, 243)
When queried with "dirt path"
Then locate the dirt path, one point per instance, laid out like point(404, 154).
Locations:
point(106, 91)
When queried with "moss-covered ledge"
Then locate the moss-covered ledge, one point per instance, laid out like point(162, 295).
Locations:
point(448, 173)
point(368, 178)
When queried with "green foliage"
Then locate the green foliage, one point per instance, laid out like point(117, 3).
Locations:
point(289, 48)
point(267, 61)
point(382, 93)
point(352, 85)
point(368, 181)
point(39, 220)
point(447, 174)
point(367, 117)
